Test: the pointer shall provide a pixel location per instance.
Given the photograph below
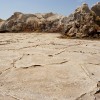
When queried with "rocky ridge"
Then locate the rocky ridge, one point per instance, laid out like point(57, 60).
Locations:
point(84, 22)
point(20, 22)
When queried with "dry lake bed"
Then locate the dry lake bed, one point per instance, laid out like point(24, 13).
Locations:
point(35, 66)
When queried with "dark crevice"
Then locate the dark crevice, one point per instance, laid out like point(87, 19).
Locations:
point(32, 66)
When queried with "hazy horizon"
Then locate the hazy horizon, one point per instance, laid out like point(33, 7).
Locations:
point(64, 7)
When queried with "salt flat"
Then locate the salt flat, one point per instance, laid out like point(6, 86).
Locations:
point(37, 66)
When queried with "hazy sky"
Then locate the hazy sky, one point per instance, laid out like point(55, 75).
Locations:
point(64, 7)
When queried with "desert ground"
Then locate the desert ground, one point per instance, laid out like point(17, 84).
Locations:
point(41, 66)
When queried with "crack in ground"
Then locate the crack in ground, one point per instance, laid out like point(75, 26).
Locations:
point(7, 42)
point(94, 64)
point(5, 70)
point(60, 52)
point(65, 49)
point(14, 61)
point(81, 96)
point(11, 96)
point(13, 65)
point(14, 97)
point(92, 93)
point(42, 45)
point(85, 52)
point(4, 43)
point(38, 45)
point(58, 63)
point(31, 66)
point(87, 72)
point(37, 65)
point(27, 47)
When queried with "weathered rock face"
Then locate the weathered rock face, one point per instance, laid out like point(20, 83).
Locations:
point(83, 22)
point(20, 22)
point(96, 9)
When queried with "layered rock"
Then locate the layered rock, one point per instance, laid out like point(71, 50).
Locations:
point(84, 22)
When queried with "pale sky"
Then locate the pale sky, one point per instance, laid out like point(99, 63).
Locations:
point(64, 7)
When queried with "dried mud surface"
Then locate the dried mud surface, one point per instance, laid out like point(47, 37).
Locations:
point(44, 67)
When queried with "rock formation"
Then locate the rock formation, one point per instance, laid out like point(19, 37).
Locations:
point(84, 22)
point(20, 22)
point(96, 9)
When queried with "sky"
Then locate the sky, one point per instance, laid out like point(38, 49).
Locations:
point(63, 7)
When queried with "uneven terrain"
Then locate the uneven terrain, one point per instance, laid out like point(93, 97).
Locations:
point(35, 66)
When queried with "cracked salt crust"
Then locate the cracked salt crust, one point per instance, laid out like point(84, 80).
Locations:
point(35, 66)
